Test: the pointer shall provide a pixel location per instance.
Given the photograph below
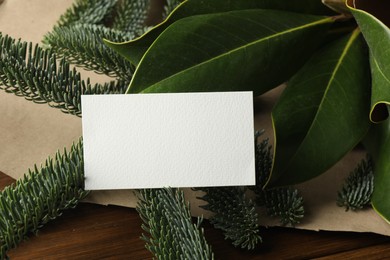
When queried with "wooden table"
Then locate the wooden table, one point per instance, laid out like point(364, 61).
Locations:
point(96, 232)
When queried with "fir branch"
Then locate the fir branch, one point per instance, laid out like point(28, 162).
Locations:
point(263, 165)
point(167, 219)
point(130, 16)
point(29, 71)
point(82, 44)
point(42, 195)
point(358, 187)
point(235, 215)
point(87, 12)
point(284, 203)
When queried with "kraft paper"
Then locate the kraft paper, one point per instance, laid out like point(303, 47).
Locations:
point(30, 132)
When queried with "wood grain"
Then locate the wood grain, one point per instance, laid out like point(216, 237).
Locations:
point(109, 232)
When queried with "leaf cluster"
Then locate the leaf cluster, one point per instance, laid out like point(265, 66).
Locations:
point(41, 196)
point(336, 65)
point(218, 45)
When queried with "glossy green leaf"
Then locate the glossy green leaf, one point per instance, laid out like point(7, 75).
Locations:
point(135, 49)
point(322, 114)
point(377, 35)
point(241, 50)
point(337, 5)
point(378, 143)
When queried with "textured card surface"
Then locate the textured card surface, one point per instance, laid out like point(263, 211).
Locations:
point(168, 140)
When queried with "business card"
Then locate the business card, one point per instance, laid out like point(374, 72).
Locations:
point(168, 140)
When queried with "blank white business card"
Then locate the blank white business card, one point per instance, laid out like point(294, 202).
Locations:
point(168, 140)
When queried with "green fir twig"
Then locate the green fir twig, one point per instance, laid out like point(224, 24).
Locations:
point(168, 221)
point(82, 45)
point(263, 165)
point(29, 71)
point(357, 190)
point(234, 214)
point(87, 12)
point(284, 203)
point(42, 195)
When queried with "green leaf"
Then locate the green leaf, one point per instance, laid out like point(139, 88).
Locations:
point(135, 49)
point(232, 51)
point(378, 143)
point(322, 114)
point(374, 20)
point(337, 5)
point(377, 35)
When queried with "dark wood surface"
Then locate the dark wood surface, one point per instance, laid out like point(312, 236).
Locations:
point(110, 232)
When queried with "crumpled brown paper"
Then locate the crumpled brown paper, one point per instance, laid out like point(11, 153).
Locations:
point(30, 132)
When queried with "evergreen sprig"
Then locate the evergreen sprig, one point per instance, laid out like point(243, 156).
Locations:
point(284, 203)
point(42, 195)
point(87, 12)
point(358, 187)
point(130, 16)
point(82, 44)
point(29, 71)
point(263, 165)
point(235, 215)
point(168, 220)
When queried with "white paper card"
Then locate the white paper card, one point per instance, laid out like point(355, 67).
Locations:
point(168, 140)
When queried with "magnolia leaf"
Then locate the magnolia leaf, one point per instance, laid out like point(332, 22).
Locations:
point(378, 144)
point(322, 114)
point(373, 20)
point(135, 49)
point(232, 51)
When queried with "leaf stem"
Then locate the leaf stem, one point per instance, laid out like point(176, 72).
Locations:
point(342, 17)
